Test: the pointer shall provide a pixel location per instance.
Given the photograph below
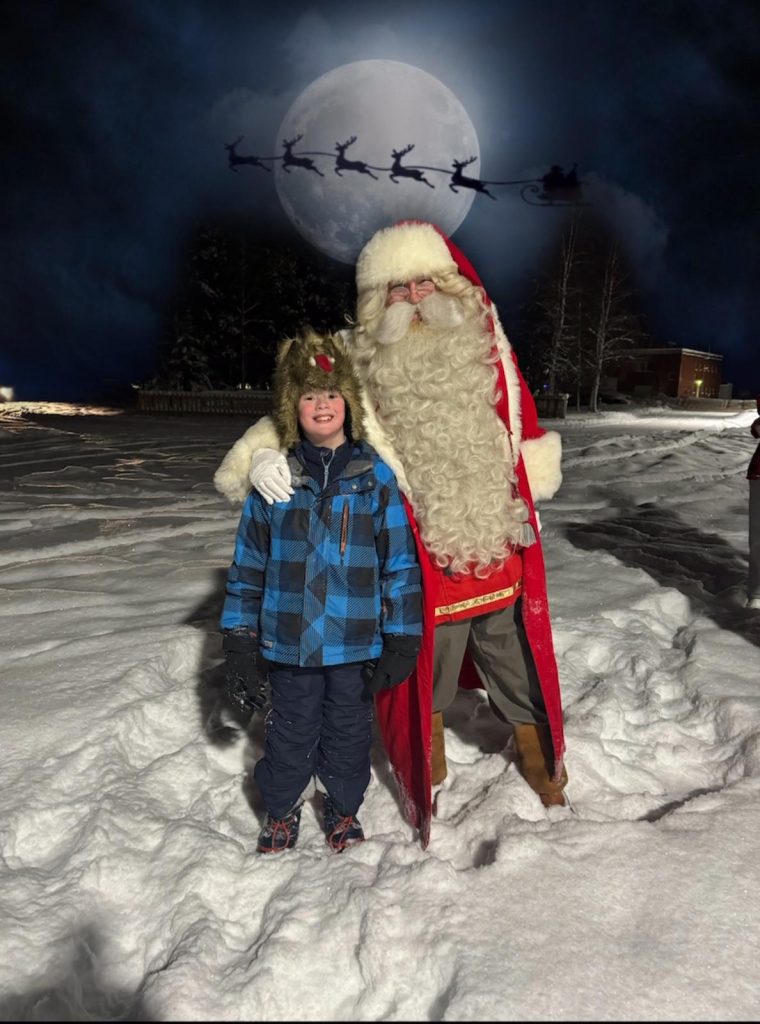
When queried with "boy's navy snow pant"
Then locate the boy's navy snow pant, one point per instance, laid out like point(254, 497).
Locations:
point(318, 725)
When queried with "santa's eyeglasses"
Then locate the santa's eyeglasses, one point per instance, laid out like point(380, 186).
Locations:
point(411, 289)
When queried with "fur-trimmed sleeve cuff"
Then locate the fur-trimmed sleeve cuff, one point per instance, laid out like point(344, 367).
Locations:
point(231, 478)
point(542, 458)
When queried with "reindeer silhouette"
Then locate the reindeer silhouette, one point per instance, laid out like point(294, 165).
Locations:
point(457, 178)
point(288, 160)
point(397, 171)
point(341, 164)
point(233, 159)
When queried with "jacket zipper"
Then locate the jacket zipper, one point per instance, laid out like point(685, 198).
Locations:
point(326, 467)
point(344, 530)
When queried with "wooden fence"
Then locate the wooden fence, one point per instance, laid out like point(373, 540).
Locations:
point(259, 403)
point(224, 403)
point(714, 404)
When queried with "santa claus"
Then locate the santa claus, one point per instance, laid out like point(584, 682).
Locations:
point(448, 409)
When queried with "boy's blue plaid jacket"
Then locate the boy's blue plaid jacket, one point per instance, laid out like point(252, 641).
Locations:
point(322, 577)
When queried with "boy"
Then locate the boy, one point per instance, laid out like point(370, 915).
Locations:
point(327, 586)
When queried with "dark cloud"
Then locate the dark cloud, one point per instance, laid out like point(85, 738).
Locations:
point(115, 116)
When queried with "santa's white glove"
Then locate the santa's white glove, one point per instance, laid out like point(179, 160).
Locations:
point(538, 519)
point(270, 475)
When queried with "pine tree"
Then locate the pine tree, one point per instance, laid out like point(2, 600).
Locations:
point(184, 366)
point(240, 296)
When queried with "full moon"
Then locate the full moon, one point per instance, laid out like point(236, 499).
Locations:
point(387, 105)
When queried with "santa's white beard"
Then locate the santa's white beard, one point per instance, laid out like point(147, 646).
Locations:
point(435, 395)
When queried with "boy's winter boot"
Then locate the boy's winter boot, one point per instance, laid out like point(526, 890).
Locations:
point(341, 830)
point(438, 768)
point(280, 834)
point(535, 759)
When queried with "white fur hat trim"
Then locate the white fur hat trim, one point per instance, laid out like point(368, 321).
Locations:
point(403, 253)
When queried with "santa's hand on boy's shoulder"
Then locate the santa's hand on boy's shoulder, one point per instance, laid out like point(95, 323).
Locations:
point(395, 664)
point(270, 475)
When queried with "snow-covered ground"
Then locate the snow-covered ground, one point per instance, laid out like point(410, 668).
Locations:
point(129, 886)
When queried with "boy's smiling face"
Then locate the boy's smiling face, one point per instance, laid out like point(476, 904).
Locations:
point(321, 417)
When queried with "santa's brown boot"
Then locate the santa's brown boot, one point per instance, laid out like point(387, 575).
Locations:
point(438, 769)
point(535, 759)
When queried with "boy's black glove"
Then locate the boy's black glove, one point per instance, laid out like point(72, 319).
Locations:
point(246, 689)
point(394, 665)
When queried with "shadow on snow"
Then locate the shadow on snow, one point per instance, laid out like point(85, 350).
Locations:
point(701, 565)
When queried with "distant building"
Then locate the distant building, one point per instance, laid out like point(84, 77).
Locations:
point(675, 372)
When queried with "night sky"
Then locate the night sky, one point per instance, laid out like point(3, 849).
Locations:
point(115, 116)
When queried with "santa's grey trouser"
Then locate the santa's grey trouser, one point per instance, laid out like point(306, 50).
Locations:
point(753, 579)
point(501, 654)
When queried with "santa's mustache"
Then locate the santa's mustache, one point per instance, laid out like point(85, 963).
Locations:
point(435, 310)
